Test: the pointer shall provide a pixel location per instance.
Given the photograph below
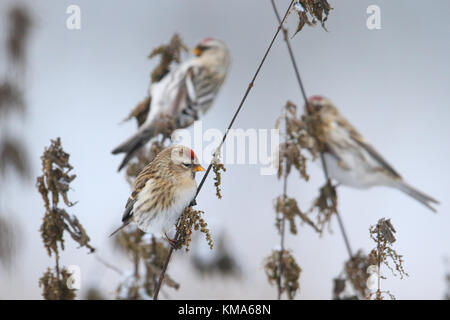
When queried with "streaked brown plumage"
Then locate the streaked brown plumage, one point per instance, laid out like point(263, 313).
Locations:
point(162, 190)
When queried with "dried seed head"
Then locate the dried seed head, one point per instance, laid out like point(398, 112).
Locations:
point(311, 11)
point(281, 268)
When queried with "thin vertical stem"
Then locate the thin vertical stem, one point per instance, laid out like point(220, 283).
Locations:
point(283, 219)
point(308, 109)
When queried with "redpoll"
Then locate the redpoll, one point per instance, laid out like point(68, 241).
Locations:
point(162, 190)
point(351, 160)
point(183, 95)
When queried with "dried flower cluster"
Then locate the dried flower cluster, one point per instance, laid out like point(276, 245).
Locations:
point(54, 185)
point(13, 156)
point(148, 255)
point(217, 166)
point(339, 288)
point(189, 221)
point(11, 99)
point(20, 23)
point(169, 53)
point(310, 12)
point(220, 262)
point(288, 209)
point(356, 271)
point(383, 235)
point(281, 265)
point(12, 151)
point(55, 285)
point(355, 274)
point(325, 205)
point(140, 112)
point(281, 268)
point(297, 138)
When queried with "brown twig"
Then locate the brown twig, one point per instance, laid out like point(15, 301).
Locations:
point(244, 98)
point(283, 221)
point(308, 109)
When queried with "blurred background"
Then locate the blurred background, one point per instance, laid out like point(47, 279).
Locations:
point(392, 84)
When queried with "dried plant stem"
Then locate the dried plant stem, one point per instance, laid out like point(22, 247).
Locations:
point(380, 249)
point(108, 265)
point(283, 221)
point(308, 109)
point(249, 88)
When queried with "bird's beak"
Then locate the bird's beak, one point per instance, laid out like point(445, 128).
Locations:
point(198, 168)
point(197, 51)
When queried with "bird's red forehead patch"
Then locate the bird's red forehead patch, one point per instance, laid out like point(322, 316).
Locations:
point(206, 40)
point(192, 155)
point(315, 98)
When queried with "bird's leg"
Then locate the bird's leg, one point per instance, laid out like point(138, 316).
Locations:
point(193, 203)
point(173, 242)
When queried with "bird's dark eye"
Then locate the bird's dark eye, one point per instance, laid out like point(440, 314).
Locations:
point(187, 165)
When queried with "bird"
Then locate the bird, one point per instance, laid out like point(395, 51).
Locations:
point(183, 95)
point(162, 190)
point(352, 161)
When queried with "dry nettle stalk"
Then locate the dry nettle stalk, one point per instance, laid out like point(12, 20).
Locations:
point(284, 271)
point(13, 155)
point(53, 186)
point(148, 255)
point(383, 235)
point(297, 139)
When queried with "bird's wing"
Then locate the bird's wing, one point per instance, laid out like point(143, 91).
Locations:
point(201, 87)
point(138, 184)
point(357, 138)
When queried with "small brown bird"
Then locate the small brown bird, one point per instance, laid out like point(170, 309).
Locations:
point(184, 94)
point(351, 160)
point(162, 190)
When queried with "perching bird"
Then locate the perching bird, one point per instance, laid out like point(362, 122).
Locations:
point(183, 95)
point(162, 190)
point(351, 161)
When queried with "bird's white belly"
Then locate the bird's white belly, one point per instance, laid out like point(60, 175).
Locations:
point(162, 222)
point(356, 173)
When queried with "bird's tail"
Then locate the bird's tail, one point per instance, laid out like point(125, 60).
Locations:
point(423, 198)
point(134, 144)
point(120, 228)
